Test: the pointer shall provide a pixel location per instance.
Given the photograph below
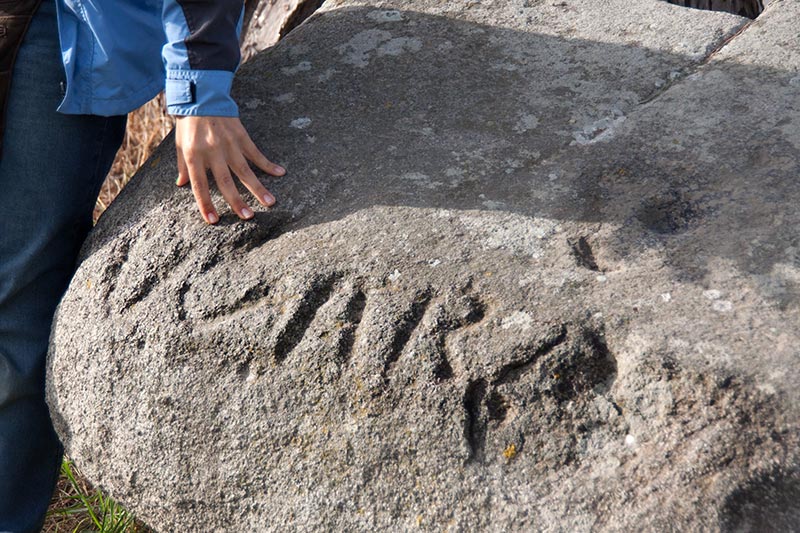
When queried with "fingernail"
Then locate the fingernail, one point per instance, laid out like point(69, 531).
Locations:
point(246, 213)
point(279, 169)
point(268, 199)
point(178, 180)
point(212, 218)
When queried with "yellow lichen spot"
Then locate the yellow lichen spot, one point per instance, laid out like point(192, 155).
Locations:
point(419, 520)
point(556, 375)
point(510, 452)
point(488, 274)
point(622, 172)
point(88, 284)
point(361, 511)
point(155, 162)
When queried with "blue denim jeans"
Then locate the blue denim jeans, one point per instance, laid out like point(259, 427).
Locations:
point(51, 170)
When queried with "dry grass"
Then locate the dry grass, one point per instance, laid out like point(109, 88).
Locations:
point(147, 127)
point(76, 507)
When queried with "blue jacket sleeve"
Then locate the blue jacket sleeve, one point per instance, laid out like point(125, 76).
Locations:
point(201, 55)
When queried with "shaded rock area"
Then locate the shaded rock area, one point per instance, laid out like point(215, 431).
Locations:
point(535, 268)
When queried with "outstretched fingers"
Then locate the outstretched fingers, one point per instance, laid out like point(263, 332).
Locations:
point(197, 175)
point(226, 186)
point(251, 152)
point(239, 165)
point(223, 145)
point(183, 171)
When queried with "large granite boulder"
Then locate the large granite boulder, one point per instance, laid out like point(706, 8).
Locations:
point(535, 266)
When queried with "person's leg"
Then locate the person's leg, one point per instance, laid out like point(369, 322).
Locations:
point(50, 172)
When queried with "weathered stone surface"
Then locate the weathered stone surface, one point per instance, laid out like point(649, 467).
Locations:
point(535, 267)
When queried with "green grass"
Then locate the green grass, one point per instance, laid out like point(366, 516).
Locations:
point(78, 508)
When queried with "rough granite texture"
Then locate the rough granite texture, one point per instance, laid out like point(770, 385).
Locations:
point(535, 267)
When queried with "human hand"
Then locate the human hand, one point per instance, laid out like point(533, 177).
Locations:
point(222, 145)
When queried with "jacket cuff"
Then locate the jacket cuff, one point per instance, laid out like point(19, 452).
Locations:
point(200, 93)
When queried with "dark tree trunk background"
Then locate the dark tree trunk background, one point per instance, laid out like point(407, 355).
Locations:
point(267, 21)
point(745, 8)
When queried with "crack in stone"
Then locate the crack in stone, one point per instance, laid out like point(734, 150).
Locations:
point(695, 67)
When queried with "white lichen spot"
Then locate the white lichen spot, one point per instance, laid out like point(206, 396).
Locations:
point(508, 67)
point(399, 45)
point(285, 98)
point(357, 50)
point(391, 15)
point(493, 205)
point(722, 306)
point(394, 276)
point(434, 262)
point(526, 280)
point(452, 172)
point(416, 176)
point(421, 179)
point(253, 103)
point(766, 388)
point(518, 320)
point(712, 294)
point(300, 123)
point(525, 123)
point(666, 297)
point(303, 66)
point(327, 75)
point(630, 440)
point(601, 278)
point(600, 130)
point(445, 46)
